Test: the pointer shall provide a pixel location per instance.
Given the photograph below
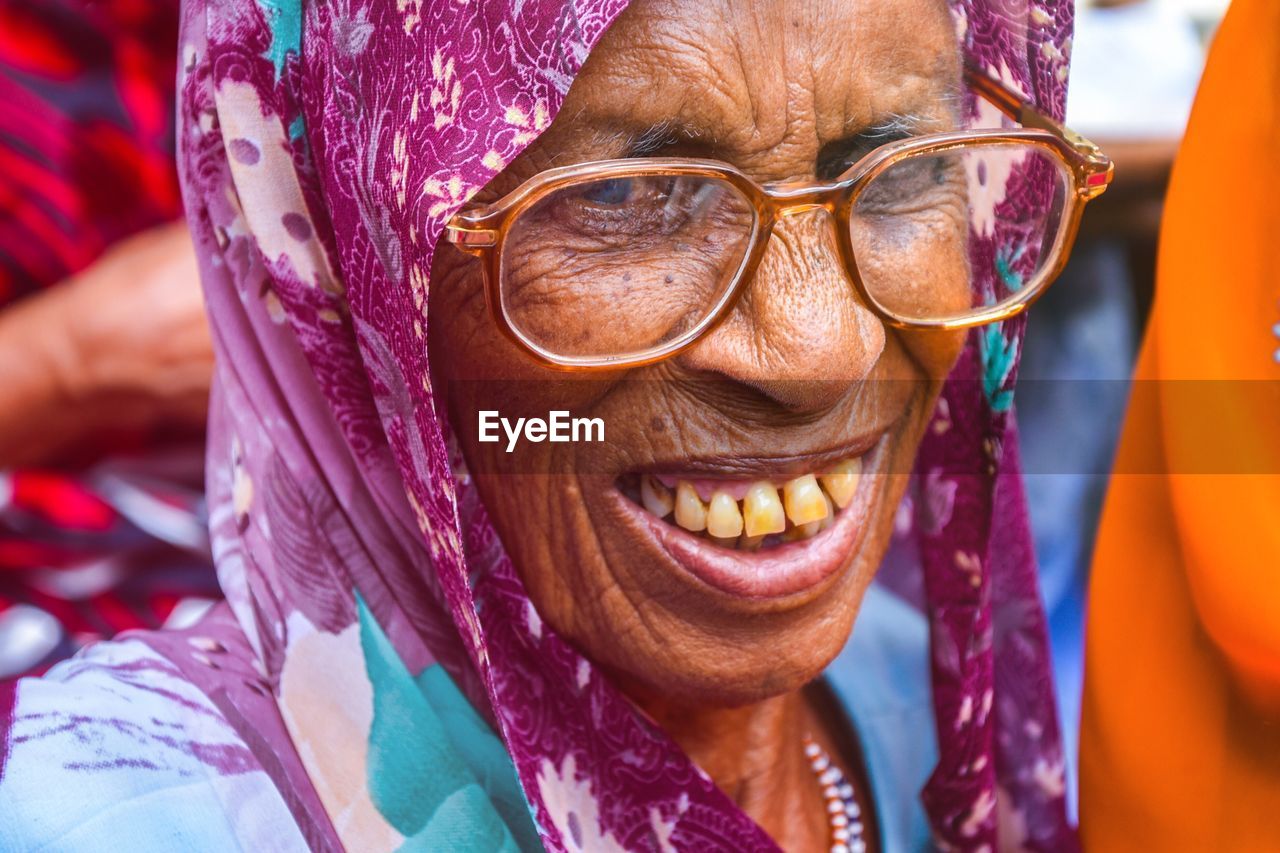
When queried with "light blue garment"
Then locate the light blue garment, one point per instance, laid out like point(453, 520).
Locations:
point(99, 763)
point(116, 750)
point(882, 680)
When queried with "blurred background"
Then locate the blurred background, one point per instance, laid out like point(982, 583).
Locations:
point(1134, 71)
point(101, 520)
point(104, 353)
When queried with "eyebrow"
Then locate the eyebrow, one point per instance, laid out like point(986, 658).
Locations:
point(649, 139)
point(894, 126)
point(652, 138)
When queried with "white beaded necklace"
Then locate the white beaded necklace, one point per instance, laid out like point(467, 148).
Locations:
point(842, 807)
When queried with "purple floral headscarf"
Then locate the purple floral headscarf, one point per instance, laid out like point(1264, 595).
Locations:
point(324, 145)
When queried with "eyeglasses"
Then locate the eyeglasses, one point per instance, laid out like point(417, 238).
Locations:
point(620, 263)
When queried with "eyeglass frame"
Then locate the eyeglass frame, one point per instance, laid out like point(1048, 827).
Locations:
point(481, 230)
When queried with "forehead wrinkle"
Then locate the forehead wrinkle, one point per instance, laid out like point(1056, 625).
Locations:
point(820, 77)
point(671, 73)
point(753, 78)
point(916, 106)
point(628, 109)
point(748, 89)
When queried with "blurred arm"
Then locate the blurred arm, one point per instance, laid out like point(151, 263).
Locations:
point(121, 347)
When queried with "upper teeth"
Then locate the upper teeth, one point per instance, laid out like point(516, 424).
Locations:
point(804, 501)
point(809, 502)
point(655, 497)
point(691, 512)
point(723, 518)
point(762, 511)
point(842, 481)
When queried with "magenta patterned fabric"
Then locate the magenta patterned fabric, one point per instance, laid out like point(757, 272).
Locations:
point(324, 145)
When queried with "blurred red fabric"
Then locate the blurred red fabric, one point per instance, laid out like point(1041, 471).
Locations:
point(86, 159)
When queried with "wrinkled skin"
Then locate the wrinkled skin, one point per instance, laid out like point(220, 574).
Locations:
point(779, 89)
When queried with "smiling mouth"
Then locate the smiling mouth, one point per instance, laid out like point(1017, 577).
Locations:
point(748, 514)
point(777, 532)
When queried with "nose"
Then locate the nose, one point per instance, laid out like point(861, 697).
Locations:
point(799, 335)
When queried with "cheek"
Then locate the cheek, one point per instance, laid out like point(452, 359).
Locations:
point(472, 363)
point(582, 304)
point(935, 352)
point(478, 368)
point(458, 326)
point(916, 268)
point(920, 269)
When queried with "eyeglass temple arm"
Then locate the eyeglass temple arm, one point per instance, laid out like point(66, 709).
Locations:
point(469, 238)
point(1096, 167)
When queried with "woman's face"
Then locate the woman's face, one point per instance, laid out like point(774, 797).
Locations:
point(801, 379)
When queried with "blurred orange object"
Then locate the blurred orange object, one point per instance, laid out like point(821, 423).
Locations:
point(1180, 741)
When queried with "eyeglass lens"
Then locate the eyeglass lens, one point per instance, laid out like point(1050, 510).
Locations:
point(924, 237)
point(615, 267)
point(618, 266)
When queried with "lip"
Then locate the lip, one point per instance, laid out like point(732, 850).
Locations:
point(786, 570)
point(776, 468)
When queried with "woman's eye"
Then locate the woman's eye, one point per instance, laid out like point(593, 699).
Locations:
point(636, 206)
point(912, 184)
point(610, 192)
point(914, 176)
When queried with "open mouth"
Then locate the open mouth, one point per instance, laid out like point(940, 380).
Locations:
point(748, 514)
point(774, 532)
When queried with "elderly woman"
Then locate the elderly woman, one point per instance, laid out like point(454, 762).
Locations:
point(741, 249)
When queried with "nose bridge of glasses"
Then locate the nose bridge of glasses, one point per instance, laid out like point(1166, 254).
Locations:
point(811, 218)
point(801, 208)
point(799, 188)
point(796, 197)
